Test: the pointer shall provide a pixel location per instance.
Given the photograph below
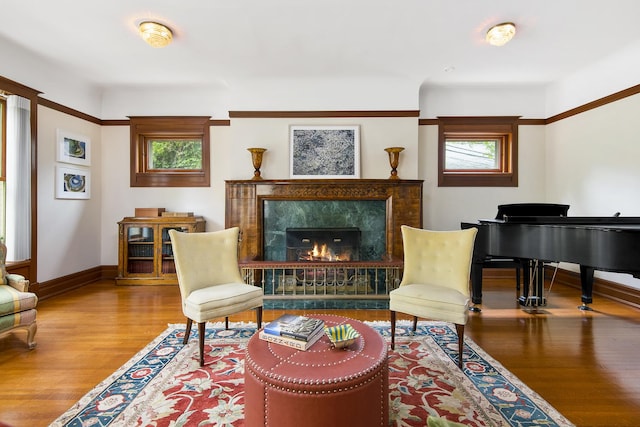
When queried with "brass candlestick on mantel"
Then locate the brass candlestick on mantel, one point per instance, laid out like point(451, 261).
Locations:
point(256, 157)
point(394, 159)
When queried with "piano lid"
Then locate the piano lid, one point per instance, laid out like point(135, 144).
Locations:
point(531, 209)
point(571, 220)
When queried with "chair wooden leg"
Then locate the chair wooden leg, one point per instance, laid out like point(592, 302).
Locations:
point(226, 323)
point(31, 335)
point(393, 329)
point(258, 317)
point(187, 332)
point(201, 330)
point(460, 331)
point(415, 323)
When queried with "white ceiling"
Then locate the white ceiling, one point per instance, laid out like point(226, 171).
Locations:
point(223, 42)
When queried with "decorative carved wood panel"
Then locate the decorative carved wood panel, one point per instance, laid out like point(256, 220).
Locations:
point(244, 204)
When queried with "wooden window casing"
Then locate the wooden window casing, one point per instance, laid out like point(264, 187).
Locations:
point(502, 129)
point(144, 129)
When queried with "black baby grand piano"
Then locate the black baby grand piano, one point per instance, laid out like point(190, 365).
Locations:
point(595, 243)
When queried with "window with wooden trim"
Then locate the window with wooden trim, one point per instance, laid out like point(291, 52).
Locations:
point(478, 151)
point(169, 152)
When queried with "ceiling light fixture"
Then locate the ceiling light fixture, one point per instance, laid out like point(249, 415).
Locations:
point(157, 35)
point(500, 34)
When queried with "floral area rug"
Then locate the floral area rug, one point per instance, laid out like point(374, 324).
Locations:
point(163, 385)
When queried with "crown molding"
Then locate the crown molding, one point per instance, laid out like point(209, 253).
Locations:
point(70, 111)
point(634, 90)
point(321, 114)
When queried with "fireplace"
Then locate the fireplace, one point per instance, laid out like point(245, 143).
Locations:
point(264, 209)
point(323, 244)
point(358, 223)
point(281, 221)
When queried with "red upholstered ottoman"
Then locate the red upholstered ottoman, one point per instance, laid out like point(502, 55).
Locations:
point(322, 386)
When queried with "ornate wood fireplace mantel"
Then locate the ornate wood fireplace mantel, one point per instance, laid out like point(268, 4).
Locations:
point(244, 205)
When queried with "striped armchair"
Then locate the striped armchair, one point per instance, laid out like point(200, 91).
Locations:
point(17, 304)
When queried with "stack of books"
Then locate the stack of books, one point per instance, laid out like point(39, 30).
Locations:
point(294, 331)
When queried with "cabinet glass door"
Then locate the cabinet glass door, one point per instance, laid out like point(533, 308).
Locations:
point(168, 266)
point(140, 248)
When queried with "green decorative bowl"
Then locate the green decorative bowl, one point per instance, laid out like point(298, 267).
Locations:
point(341, 336)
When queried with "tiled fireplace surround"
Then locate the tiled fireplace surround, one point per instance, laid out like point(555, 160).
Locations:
point(263, 209)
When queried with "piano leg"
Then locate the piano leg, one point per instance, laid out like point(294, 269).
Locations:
point(586, 282)
point(533, 288)
point(476, 286)
point(541, 300)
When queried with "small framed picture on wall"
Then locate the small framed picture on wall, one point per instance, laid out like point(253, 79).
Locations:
point(74, 149)
point(72, 183)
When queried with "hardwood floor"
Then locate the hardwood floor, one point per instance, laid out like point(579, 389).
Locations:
point(583, 363)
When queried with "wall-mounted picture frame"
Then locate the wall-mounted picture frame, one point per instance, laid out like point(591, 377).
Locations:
point(324, 152)
point(72, 183)
point(73, 148)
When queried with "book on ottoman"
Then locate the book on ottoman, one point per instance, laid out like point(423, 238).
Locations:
point(293, 326)
point(292, 342)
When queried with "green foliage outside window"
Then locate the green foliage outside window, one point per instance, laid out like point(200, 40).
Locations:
point(175, 154)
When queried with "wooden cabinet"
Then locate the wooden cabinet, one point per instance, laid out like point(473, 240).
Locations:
point(145, 256)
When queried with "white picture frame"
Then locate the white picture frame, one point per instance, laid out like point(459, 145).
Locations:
point(72, 183)
point(73, 148)
point(324, 152)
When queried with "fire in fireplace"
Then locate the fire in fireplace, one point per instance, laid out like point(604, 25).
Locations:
point(323, 244)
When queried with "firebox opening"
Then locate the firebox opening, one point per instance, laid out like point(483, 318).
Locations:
point(323, 244)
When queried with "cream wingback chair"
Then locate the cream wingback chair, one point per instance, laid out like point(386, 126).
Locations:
point(435, 282)
point(209, 279)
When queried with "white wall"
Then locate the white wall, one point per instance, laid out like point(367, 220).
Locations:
point(68, 230)
point(262, 95)
point(594, 162)
point(593, 165)
point(65, 87)
point(446, 207)
point(230, 160)
point(588, 161)
point(119, 200)
point(613, 74)
point(495, 100)
point(596, 138)
point(375, 135)
point(123, 102)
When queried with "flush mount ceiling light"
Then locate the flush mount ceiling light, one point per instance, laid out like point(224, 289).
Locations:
point(157, 35)
point(500, 34)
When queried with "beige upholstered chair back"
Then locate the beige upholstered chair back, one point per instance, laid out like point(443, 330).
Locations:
point(205, 259)
point(438, 257)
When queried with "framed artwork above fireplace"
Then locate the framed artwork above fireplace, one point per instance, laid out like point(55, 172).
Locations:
point(324, 152)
